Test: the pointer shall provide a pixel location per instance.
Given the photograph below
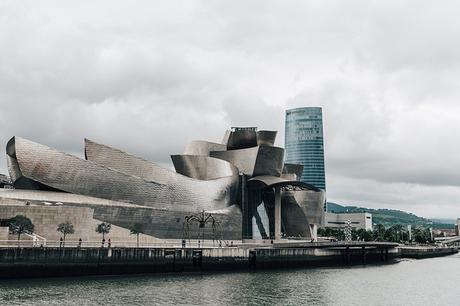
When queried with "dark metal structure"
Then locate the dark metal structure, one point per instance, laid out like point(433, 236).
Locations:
point(201, 220)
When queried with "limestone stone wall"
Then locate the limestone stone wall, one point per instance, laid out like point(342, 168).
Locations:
point(4, 233)
point(47, 218)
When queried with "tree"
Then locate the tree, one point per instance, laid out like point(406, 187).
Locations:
point(361, 234)
point(390, 234)
point(399, 232)
point(65, 229)
point(321, 232)
point(19, 225)
point(379, 232)
point(136, 229)
point(421, 235)
point(103, 228)
point(331, 232)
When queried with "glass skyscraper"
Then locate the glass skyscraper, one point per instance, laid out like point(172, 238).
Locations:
point(304, 143)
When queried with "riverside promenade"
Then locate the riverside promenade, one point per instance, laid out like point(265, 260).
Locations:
point(420, 252)
point(74, 261)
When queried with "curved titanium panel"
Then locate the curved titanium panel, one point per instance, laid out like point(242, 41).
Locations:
point(254, 161)
point(292, 171)
point(126, 163)
point(19, 181)
point(266, 138)
point(242, 139)
point(72, 174)
point(289, 176)
point(269, 161)
point(267, 180)
point(312, 203)
point(294, 220)
point(11, 162)
point(301, 203)
point(136, 166)
point(273, 181)
point(244, 159)
point(37, 197)
point(300, 209)
point(226, 137)
point(10, 148)
point(201, 147)
point(203, 167)
point(13, 168)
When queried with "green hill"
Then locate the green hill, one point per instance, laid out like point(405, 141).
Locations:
point(389, 217)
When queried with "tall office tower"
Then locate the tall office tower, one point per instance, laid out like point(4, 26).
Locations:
point(304, 143)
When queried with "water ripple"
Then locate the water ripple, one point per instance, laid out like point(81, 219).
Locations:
point(413, 282)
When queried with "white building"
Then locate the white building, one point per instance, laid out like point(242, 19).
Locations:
point(457, 227)
point(357, 220)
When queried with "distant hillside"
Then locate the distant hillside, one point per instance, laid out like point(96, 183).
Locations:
point(390, 217)
point(444, 221)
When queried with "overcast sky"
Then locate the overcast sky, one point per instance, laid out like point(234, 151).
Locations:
point(150, 76)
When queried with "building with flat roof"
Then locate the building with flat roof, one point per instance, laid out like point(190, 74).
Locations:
point(357, 220)
point(457, 227)
point(304, 143)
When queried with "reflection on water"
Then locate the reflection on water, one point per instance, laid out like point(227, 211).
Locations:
point(411, 282)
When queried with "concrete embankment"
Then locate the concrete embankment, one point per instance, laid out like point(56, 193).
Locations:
point(420, 252)
point(38, 262)
point(313, 257)
point(44, 262)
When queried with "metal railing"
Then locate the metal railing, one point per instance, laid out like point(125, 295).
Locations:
point(114, 244)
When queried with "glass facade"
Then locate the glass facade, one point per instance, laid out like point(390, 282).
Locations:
point(304, 143)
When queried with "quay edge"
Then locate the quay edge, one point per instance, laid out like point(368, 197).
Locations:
point(51, 262)
point(426, 251)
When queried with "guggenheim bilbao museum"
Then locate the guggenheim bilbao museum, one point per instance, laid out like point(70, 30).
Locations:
point(243, 183)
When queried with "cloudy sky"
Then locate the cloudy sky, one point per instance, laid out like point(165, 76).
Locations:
point(150, 76)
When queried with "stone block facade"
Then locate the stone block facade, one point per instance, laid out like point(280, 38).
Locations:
point(47, 218)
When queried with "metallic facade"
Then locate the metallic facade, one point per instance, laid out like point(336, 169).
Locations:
point(255, 161)
point(304, 143)
point(113, 181)
point(243, 182)
point(200, 147)
point(203, 167)
point(241, 138)
point(301, 207)
point(266, 138)
point(292, 171)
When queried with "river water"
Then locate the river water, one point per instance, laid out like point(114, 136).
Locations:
point(433, 281)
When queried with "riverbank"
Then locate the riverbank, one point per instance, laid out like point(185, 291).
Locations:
point(420, 252)
point(49, 262)
point(29, 262)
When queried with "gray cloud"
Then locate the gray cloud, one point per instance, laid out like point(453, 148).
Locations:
point(149, 78)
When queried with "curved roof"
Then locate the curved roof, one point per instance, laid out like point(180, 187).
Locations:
point(242, 139)
point(203, 167)
point(266, 138)
point(114, 175)
point(126, 163)
point(202, 147)
point(273, 181)
point(254, 161)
